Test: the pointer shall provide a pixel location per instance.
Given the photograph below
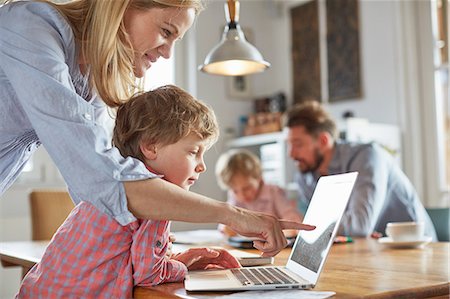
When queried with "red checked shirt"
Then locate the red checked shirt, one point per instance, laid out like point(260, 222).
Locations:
point(93, 256)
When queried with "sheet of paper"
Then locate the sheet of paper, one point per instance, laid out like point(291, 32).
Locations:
point(284, 294)
point(241, 253)
point(200, 237)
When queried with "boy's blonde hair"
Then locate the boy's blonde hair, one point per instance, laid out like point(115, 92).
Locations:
point(100, 34)
point(235, 162)
point(162, 116)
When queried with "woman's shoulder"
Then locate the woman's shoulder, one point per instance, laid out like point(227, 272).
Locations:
point(39, 28)
point(30, 9)
point(36, 19)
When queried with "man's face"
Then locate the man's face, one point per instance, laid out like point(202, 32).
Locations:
point(304, 149)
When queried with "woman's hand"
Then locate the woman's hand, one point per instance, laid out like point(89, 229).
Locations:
point(266, 228)
point(207, 258)
point(290, 233)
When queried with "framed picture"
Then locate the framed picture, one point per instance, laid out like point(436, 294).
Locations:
point(238, 87)
point(342, 64)
point(306, 52)
point(344, 71)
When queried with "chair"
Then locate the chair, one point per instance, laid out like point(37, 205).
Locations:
point(441, 221)
point(49, 209)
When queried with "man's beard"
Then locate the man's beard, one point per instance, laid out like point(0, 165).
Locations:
point(318, 159)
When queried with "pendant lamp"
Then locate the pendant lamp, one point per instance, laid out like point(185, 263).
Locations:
point(234, 55)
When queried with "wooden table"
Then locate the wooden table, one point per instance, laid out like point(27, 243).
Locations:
point(23, 254)
point(363, 269)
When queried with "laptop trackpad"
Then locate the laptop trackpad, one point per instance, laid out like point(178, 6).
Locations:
point(220, 279)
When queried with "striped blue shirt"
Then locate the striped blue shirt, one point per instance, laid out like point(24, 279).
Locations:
point(46, 100)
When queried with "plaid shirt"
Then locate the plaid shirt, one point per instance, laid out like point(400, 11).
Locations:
point(93, 256)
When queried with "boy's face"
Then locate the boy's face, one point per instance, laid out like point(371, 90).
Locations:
point(181, 163)
point(245, 188)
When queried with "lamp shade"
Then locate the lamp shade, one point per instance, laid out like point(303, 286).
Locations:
point(234, 55)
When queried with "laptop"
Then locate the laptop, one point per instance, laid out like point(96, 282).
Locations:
point(307, 256)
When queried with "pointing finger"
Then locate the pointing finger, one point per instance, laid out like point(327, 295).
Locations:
point(295, 225)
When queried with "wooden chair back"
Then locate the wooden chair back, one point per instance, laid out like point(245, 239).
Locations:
point(49, 209)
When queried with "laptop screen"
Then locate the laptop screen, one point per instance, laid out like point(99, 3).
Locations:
point(325, 212)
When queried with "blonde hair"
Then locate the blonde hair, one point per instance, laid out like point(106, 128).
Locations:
point(100, 32)
point(162, 116)
point(235, 162)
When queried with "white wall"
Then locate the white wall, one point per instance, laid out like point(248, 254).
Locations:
point(270, 23)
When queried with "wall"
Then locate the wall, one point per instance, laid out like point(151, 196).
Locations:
point(270, 24)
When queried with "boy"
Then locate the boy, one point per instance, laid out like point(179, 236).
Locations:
point(239, 172)
point(169, 131)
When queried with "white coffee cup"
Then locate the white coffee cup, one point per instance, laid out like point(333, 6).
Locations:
point(405, 231)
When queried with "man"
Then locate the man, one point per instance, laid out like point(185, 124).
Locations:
point(382, 192)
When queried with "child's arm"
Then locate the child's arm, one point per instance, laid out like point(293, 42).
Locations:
point(161, 271)
point(151, 265)
point(286, 209)
point(207, 258)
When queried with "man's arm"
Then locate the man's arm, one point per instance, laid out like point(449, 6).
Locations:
point(369, 193)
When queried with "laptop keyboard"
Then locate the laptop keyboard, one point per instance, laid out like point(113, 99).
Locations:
point(262, 276)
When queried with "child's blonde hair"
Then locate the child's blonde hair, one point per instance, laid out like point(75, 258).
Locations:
point(235, 162)
point(162, 116)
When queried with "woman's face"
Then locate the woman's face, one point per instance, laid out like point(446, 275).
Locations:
point(153, 33)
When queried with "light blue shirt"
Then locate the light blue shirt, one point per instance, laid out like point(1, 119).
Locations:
point(45, 99)
point(382, 192)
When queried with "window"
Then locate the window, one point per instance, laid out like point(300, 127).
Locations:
point(440, 22)
point(161, 73)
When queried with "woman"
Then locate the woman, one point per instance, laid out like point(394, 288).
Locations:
point(61, 68)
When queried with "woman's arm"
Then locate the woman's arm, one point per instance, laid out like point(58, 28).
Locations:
point(158, 199)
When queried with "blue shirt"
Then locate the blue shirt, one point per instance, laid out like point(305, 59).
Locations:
point(382, 192)
point(46, 100)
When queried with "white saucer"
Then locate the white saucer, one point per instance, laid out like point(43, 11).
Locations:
point(404, 244)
